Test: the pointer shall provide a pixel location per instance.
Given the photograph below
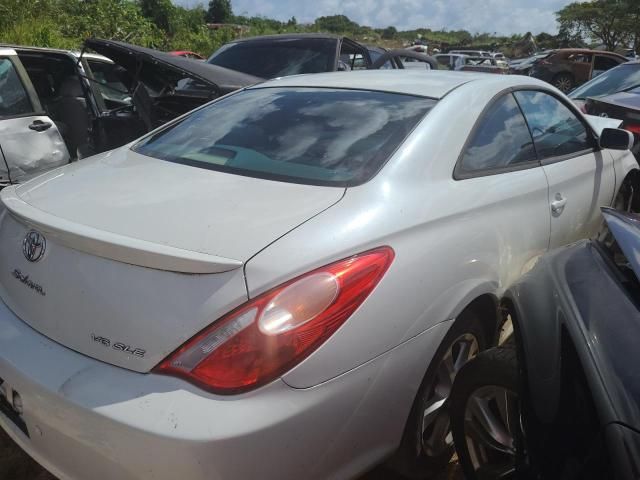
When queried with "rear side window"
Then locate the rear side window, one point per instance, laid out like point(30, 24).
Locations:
point(14, 100)
point(556, 130)
point(500, 141)
point(580, 58)
point(603, 63)
point(303, 135)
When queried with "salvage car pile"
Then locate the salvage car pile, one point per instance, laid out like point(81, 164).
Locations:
point(321, 256)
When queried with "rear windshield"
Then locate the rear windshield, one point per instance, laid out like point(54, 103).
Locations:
point(619, 79)
point(302, 135)
point(278, 58)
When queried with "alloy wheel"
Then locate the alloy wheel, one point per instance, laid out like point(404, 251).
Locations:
point(492, 422)
point(436, 428)
point(563, 83)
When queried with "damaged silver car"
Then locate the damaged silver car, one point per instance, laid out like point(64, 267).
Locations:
point(57, 106)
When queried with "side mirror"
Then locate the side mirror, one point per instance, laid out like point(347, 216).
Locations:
point(616, 139)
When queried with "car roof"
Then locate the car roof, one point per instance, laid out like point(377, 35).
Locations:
point(428, 83)
point(586, 50)
point(74, 53)
point(288, 36)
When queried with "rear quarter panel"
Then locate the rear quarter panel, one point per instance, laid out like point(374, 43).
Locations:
point(454, 240)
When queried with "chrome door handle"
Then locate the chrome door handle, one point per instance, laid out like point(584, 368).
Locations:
point(557, 206)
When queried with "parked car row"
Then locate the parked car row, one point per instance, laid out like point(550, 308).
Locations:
point(255, 268)
point(69, 105)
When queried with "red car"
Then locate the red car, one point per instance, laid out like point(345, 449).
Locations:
point(187, 54)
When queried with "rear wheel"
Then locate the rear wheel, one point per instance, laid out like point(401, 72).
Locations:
point(485, 415)
point(427, 444)
point(563, 82)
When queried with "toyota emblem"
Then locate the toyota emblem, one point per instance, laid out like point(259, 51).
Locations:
point(33, 246)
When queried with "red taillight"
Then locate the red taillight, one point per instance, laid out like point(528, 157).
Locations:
point(632, 128)
point(268, 335)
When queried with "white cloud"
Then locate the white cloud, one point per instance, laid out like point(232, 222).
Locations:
point(501, 16)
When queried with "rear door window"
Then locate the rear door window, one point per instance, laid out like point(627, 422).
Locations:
point(580, 58)
point(110, 80)
point(14, 99)
point(353, 55)
point(318, 136)
point(603, 63)
point(278, 58)
point(500, 141)
point(556, 130)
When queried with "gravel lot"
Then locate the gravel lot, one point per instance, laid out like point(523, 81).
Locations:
point(17, 465)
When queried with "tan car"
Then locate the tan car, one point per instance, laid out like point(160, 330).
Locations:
point(568, 68)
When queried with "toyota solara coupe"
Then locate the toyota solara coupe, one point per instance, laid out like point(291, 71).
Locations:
point(282, 284)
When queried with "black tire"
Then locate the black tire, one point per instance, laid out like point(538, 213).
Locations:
point(564, 82)
point(497, 369)
point(411, 459)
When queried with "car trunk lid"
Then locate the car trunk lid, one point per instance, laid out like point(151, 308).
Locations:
point(140, 254)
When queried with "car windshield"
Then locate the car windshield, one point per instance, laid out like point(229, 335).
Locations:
point(619, 79)
point(278, 58)
point(316, 136)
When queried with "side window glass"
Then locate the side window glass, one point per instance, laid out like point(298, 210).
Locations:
point(353, 57)
point(580, 58)
point(111, 80)
point(555, 129)
point(14, 99)
point(602, 63)
point(501, 140)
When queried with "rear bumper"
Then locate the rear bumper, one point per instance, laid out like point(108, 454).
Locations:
point(86, 419)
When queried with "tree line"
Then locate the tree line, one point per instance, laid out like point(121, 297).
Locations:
point(163, 25)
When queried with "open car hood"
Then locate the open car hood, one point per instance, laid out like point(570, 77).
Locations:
point(625, 227)
point(158, 69)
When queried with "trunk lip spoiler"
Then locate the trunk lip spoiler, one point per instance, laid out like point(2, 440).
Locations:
point(114, 246)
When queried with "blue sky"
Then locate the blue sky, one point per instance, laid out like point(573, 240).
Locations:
point(502, 16)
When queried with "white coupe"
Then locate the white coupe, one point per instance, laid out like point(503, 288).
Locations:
point(282, 284)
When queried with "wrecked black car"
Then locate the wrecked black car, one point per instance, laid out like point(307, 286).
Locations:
point(562, 401)
point(274, 56)
point(161, 87)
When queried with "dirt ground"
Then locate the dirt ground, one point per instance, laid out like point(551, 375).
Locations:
point(17, 465)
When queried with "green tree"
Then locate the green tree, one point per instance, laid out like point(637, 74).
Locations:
point(546, 41)
point(336, 24)
point(389, 33)
point(604, 21)
point(161, 12)
point(220, 11)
